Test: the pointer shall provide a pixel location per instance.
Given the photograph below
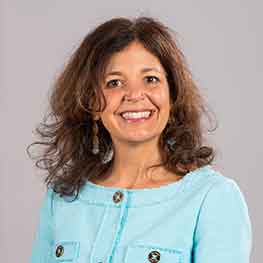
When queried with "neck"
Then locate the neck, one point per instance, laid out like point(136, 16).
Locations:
point(131, 162)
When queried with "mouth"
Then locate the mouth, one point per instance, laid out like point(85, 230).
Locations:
point(137, 117)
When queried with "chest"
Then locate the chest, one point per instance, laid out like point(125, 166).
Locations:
point(96, 233)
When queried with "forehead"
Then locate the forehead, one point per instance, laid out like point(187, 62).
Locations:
point(134, 57)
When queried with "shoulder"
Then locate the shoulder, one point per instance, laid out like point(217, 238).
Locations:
point(213, 181)
point(47, 201)
point(50, 200)
point(216, 191)
point(223, 220)
point(222, 200)
point(223, 186)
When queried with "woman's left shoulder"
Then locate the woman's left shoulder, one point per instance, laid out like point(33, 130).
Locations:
point(214, 182)
point(222, 190)
point(223, 221)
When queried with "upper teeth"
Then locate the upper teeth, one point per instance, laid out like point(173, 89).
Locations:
point(134, 115)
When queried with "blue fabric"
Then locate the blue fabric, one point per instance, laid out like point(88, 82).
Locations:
point(202, 218)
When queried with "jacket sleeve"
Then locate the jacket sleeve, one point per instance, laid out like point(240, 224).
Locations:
point(223, 231)
point(43, 239)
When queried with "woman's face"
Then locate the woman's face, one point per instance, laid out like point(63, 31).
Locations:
point(135, 81)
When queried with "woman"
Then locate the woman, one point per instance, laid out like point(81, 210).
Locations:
point(129, 179)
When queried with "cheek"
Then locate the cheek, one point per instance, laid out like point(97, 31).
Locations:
point(112, 104)
point(161, 98)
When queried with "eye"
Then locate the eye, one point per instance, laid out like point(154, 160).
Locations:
point(113, 83)
point(152, 79)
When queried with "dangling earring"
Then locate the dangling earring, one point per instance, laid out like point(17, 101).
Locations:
point(108, 156)
point(95, 139)
point(171, 141)
point(171, 144)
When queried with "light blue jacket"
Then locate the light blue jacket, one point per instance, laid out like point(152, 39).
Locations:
point(202, 218)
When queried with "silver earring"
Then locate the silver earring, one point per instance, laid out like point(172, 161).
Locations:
point(171, 141)
point(171, 144)
point(108, 156)
point(95, 139)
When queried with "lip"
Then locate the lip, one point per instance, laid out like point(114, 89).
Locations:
point(140, 119)
point(136, 110)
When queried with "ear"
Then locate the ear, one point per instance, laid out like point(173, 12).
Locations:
point(96, 116)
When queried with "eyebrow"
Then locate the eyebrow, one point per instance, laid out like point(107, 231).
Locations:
point(144, 70)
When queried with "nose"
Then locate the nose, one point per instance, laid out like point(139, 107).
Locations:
point(134, 97)
point(134, 94)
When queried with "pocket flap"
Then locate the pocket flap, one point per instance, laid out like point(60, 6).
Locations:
point(65, 250)
point(153, 254)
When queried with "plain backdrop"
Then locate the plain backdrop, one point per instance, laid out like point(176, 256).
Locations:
point(222, 41)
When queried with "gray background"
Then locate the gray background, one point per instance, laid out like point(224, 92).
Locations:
point(222, 41)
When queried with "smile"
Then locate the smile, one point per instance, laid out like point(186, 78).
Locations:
point(135, 117)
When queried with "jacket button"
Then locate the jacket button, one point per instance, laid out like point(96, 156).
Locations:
point(154, 256)
point(59, 251)
point(117, 197)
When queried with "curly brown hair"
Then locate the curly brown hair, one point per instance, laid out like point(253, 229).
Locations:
point(68, 156)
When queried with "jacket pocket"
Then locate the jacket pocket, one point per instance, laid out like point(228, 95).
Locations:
point(65, 251)
point(152, 254)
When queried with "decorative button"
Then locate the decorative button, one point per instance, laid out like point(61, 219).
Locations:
point(154, 256)
point(59, 251)
point(117, 197)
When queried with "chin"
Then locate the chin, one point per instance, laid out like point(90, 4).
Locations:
point(140, 139)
